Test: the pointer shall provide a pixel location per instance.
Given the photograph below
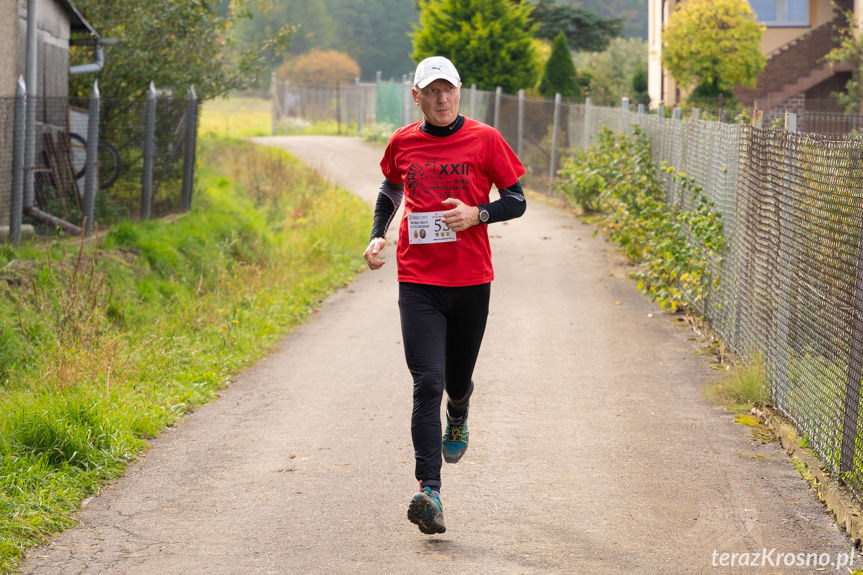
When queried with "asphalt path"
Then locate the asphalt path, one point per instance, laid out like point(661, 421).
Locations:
point(591, 448)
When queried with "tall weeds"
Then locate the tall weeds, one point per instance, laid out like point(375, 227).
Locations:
point(104, 345)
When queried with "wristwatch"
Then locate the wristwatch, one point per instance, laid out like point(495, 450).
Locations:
point(483, 216)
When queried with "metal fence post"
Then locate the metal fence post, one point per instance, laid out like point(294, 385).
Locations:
point(189, 156)
point(91, 177)
point(520, 123)
point(32, 71)
point(18, 172)
point(473, 102)
point(274, 93)
point(588, 117)
point(149, 152)
point(406, 100)
point(786, 247)
point(641, 108)
point(855, 369)
point(676, 113)
point(359, 97)
point(624, 114)
point(552, 170)
point(497, 93)
point(660, 111)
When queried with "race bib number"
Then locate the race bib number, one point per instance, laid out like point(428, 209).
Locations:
point(428, 228)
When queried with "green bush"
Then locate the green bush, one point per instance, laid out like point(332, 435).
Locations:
point(675, 250)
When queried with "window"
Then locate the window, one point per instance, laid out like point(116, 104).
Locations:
point(779, 13)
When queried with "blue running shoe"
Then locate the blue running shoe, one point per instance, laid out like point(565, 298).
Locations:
point(455, 439)
point(426, 511)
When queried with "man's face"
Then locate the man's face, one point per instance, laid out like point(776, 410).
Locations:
point(438, 102)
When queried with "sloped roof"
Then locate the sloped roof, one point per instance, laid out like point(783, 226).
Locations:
point(76, 19)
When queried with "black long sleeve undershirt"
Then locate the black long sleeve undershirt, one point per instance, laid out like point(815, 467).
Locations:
point(511, 204)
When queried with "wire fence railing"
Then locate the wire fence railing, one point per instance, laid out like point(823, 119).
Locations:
point(791, 277)
point(78, 164)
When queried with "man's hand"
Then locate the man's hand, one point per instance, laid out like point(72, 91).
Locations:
point(461, 217)
point(371, 253)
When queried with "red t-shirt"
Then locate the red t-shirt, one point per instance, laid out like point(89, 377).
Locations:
point(434, 168)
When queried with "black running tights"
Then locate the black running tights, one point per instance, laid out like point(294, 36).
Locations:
point(442, 329)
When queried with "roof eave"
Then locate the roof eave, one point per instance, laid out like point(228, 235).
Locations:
point(79, 24)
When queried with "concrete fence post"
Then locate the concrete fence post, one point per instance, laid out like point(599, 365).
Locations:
point(758, 119)
point(149, 152)
point(189, 155)
point(91, 176)
point(16, 207)
point(677, 115)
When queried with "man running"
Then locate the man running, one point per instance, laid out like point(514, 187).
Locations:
point(448, 164)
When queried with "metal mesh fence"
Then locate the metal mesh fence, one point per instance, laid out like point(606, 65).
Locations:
point(7, 143)
point(791, 276)
point(55, 182)
point(350, 106)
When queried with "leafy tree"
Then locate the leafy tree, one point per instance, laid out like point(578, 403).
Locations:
point(489, 41)
point(850, 50)
point(559, 76)
point(611, 72)
point(632, 12)
point(319, 68)
point(713, 45)
point(639, 93)
point(376, 34)
point(315, 22)
point(584, 30)
point(372, 32)
point(174, 43)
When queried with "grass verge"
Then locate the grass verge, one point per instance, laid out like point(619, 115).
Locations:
point(236, 117)
point(742, 387)
point(103, 346)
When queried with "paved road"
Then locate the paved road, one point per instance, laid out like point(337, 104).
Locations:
point(591, 450)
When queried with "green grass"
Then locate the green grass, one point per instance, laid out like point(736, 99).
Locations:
point(742, 388)
point(236, 117)
point(302, 127)
point(103, 346)
point(244, 117)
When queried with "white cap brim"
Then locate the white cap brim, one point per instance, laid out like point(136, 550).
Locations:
point(426, 81)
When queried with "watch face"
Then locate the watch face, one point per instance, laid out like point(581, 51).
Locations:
point(483, 216)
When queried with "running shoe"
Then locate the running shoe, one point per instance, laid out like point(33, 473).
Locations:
point(426, 511)
point(455, 439)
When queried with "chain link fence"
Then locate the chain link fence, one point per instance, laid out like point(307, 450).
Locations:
point(141, 160)
point(791, 277)
point(350, 106)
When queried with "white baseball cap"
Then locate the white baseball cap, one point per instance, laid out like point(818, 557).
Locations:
point(435, 68)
